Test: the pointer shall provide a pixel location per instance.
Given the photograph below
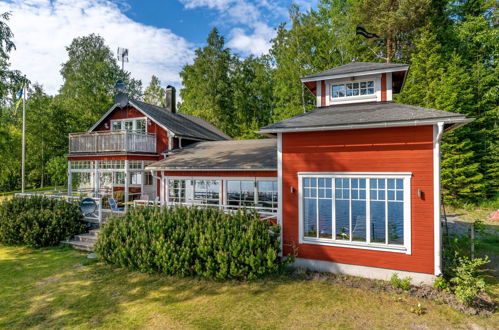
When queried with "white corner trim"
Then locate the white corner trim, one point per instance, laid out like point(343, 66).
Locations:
point(438, 130)
point(389, 87)
point(318, 88)
point(362, 271)
point(279, 186)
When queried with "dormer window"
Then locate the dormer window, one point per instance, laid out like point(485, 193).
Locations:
point(353, 89)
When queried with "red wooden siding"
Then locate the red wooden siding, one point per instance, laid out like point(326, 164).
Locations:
point(323, 93)
point(383, 87)
point(131, 112)
point(405, 149)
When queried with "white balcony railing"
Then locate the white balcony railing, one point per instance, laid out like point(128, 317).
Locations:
point(112, 141)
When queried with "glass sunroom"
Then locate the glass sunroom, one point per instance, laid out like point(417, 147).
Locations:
point(123, 180)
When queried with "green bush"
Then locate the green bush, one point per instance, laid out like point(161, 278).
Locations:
point(468, 283)
point(38, 221)
point(401, 283)
point(441, 284)
point(192, 241)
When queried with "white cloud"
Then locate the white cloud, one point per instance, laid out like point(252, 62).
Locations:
point(253, 34)
point(43, 28)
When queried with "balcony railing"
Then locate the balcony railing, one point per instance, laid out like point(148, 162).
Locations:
point(113, 141)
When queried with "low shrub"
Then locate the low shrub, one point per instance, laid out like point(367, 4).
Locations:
point(441, 284)
point(38, 221)
point(467, 282)
point(192, 241)
point(401, 283)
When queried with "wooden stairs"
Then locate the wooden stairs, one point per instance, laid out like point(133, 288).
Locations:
point(84, 242)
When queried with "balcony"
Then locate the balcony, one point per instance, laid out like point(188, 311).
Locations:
point(112, 141)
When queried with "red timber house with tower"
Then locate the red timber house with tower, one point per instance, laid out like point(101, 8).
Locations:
point(354, 184)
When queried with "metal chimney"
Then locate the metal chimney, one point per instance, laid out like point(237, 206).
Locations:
point(171, 103)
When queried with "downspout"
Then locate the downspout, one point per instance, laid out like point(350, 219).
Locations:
point(155, 177)
point(438, 131)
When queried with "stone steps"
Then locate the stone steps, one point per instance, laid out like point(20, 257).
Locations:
point(84, 241)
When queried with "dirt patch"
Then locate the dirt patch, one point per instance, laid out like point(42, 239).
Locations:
point(482, 305)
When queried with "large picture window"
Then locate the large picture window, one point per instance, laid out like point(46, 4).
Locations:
point(207, 191)
point(363, 210)
point(132, 124)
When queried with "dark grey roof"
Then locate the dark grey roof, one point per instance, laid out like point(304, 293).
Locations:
point(359, 115)
point(230, 155)
point(181, 124)
point(355, 67)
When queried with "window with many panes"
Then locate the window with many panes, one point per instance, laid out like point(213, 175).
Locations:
point(176, 190)
point(207, 191)
point(132, 124)
point(352, 89)
point(370, 210)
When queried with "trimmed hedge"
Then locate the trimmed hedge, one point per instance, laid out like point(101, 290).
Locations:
point(38, 221)
point(187, 241)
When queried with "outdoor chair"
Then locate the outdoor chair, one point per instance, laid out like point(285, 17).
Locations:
point(114, 205)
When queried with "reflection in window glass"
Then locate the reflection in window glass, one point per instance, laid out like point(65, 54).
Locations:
point(241, 193)
point(267, 194)
point(341, 205)
point(140, 125)
point(176, 191)
point(207, 191)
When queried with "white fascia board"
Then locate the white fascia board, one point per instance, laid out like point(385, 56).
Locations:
point(101, 119)
point(370, 125)
point(356, 74)
point(157, 168)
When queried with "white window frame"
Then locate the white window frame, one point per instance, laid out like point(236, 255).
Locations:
point(133, 120)
point(406, 176)
point(357, 98)
point(223, 185)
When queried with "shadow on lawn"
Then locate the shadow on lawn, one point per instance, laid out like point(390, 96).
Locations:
point(66, 289)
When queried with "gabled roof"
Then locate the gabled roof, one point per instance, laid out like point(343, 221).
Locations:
point(364, 115)
point(355, 68)
point(182, 125)
point(233, 155)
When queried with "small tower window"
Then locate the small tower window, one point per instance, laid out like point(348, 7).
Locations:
point(353, 89)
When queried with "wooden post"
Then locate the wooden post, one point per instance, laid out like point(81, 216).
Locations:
point(70, 180)
point(126, 181)
point(472, 240)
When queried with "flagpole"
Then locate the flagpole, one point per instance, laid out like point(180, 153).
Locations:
point(23, 139)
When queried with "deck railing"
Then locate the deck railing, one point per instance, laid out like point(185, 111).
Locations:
point(112, 141)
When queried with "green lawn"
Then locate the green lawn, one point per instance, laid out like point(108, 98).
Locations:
point(60, 288)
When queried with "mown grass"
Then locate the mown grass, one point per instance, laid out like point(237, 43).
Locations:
point(61, 288)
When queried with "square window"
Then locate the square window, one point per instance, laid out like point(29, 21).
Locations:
point(363, 91)
point(370, 91)
point(356, 85)
point(355, 92)
point(370, 83)
point(363, 84)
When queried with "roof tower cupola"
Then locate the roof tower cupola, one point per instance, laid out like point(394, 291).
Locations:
point(357, 82)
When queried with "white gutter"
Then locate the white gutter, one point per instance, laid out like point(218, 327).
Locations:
point(438, 131)
point(370, 125)
point(155, 168)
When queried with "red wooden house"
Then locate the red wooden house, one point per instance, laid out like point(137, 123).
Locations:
point(355, 183)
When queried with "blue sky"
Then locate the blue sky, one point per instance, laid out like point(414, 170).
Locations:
point(160, 34)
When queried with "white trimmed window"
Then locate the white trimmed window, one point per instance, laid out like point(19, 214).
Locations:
point(132, 124)
point(357, 210)
point(351, 89)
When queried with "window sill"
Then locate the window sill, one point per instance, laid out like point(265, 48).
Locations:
point(355, 245)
